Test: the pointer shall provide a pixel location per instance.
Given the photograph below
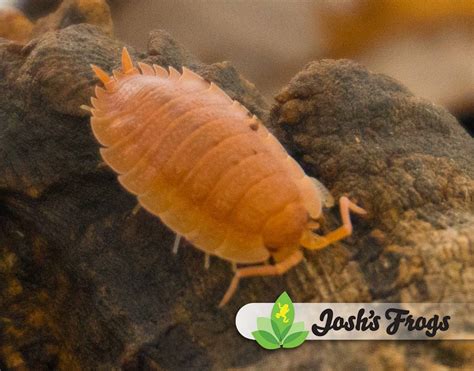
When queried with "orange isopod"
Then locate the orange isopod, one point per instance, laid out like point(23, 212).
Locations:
point(209, 169)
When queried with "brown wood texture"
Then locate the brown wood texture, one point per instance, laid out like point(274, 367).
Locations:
point(85, 284)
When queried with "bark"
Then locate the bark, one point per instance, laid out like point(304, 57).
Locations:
point(87, 284)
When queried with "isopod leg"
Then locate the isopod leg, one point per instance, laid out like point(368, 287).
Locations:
point(86, 108)
point(177, 240)
point(136, 209)
point(101, 165)
point(313, 225)
point(313, 241)
point(261, 270)
point(207, 261)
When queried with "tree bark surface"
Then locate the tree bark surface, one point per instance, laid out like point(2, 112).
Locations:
point(87, 284)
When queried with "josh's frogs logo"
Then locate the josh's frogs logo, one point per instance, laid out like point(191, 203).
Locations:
point(352, 321)
point(279, 330)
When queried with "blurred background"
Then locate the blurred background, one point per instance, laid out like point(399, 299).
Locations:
point(426, 44)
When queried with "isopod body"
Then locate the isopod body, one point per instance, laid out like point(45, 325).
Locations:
point(206, 167)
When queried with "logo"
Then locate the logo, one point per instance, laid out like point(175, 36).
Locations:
point(285, 326)
point(280, 330)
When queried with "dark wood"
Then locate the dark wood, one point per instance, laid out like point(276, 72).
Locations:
point(87, 284)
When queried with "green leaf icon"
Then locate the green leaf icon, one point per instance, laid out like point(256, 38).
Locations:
point(264, 324)
point(276, 330)
point(295, 339)
point(266, 339)
point(279, 330)
point(297, 327)
point(283, 315)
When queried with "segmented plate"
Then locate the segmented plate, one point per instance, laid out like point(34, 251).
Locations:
point(200, 161)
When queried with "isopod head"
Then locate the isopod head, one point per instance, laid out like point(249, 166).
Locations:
point(283, 232)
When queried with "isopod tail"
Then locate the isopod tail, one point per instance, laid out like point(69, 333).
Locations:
point(101, 74)
point(107, 80)
point(127, 63)
point(127, 69)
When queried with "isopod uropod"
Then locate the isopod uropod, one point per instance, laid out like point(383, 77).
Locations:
point(209, 169)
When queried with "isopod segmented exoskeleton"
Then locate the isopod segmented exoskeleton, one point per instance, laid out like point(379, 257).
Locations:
point(208, 169)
